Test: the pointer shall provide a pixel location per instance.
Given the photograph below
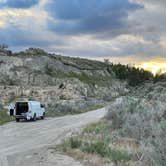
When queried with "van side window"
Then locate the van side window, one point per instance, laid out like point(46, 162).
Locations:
point(42, 105)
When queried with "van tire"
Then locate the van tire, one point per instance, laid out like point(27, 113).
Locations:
point(34, 117)
point(17, 119)
point(42, 117)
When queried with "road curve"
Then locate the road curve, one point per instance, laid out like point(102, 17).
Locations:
point(26, 143)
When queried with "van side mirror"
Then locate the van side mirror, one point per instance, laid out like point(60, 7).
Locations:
point(42, 105)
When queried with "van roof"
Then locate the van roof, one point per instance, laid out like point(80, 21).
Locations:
point(27, 102)
point(21, 101)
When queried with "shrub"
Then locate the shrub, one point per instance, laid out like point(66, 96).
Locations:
point(142, 119)
point(107, 97)
point(49, 70)
point(6, 80)
point(94, 79)
point(71, 107)
point(154, 153)
point(4, 117)
point(99, 147)
point(58, 109)
point(120, 109)
point(119, 156)
point(97, 128)
point(75, 142)
point(134, 76)
point(137, 126)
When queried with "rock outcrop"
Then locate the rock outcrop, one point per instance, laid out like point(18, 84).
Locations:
point(50, 78)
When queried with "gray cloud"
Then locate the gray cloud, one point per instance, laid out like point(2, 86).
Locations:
point(17, 3)
point(92, 28)
point(89, 17)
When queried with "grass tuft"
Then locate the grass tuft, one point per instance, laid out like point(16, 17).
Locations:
point(4, 117)
point(93, 140)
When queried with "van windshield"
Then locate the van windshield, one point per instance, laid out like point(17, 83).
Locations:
point(21, 107)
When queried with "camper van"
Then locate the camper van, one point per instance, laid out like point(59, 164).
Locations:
point(30, 110)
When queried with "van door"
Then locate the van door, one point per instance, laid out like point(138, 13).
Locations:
point(21, 108)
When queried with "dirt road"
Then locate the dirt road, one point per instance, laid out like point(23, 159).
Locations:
point(30, 143)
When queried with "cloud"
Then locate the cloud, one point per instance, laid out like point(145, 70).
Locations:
point(22, 28)
point(89, 17)
point(150, 20)
point(19, 35)
point(119, 47)
point(121, 30)
point(2, 24)
point(17, 3)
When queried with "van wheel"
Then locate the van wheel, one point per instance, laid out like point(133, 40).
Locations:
point(17, 119)
point(42, 117)
point(34, 117)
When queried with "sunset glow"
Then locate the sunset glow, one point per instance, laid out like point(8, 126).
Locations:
point(132, 33)
point(154, 66)
point(2, 24)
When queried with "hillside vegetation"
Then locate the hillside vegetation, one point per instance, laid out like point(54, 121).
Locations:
point(132, 133)
point(134, 129)
point(61, 82)
point(4, 117)
point(37, 67)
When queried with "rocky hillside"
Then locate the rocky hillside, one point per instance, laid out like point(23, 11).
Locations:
point(132, 134)
point(36, 67)
point(50, 78)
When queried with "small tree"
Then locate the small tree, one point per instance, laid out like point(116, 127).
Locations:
point(158, 76)
point(107, 61)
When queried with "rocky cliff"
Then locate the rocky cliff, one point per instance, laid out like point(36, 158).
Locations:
point(36, 67)
point(51, 78)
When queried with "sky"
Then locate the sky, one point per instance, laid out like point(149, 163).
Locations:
point(126, 31)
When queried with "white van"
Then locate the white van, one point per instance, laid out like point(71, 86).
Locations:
point(30, 110)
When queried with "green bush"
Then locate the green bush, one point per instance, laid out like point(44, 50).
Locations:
point(97, 128)
point(91, 79)
point(69, 107)
point(4, 117)
point(75, 142)
point(134, 76)
point(99, 147)
point(119, 155)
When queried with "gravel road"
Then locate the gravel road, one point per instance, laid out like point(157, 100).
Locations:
point(30, 143)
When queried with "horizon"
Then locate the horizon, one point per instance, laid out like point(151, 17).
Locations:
point(123, 31)
point(154, 66)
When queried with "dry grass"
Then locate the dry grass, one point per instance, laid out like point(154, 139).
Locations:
point(88, 159)
point(142, 118)
point(4, 117)
point(132, 134)
point(95, 141)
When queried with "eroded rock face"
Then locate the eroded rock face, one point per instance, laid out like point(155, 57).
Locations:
point(64, 90)
point(56, 80)
point(35, 67)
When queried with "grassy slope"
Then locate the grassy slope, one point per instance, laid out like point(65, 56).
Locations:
point(60, 113)
point(95, 140)
point(136, 122)
point(4, 117)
